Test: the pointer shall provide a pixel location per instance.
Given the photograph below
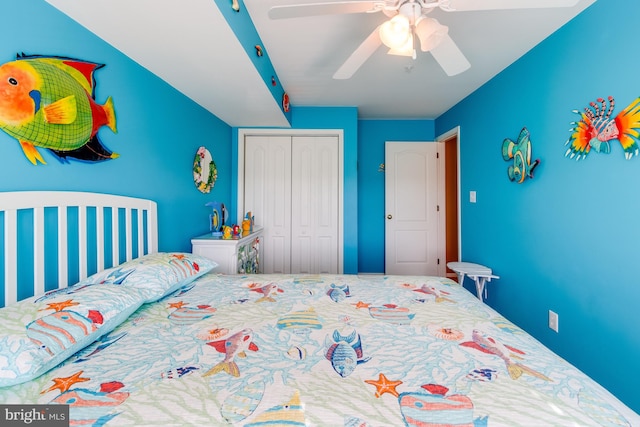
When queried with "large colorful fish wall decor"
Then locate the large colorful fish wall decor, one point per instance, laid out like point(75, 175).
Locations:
point(49, 102)
point(597, 127)
point(520, 152)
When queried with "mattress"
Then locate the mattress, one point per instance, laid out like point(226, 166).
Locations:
point(317, 350)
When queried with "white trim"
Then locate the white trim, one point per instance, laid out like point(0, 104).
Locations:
point(100, 238)
point(339, 133)
point(82, 242)
point(10, 246)
point(442, 212)
point(63, 268)
point(38, 250)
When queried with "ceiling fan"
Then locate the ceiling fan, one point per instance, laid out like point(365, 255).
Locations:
point(409, 24)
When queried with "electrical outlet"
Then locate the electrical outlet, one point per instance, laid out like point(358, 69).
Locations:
point(472, 196)
point(553, 320)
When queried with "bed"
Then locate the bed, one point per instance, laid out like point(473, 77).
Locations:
point(131, 336)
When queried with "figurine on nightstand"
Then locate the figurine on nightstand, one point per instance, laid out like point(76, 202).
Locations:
point(236, 231)
point(246, 227)
point(251, 219)
point(226, 232)
point(217, 218)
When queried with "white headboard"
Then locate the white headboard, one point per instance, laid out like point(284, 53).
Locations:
point(76, 220)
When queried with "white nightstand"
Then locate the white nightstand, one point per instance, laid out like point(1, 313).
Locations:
point(234, 256)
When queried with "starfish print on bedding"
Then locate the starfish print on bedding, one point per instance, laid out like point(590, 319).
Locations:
point(384, 385)
point(178, 304)
point(59, 306)
point(361, 304)
point(65, 383)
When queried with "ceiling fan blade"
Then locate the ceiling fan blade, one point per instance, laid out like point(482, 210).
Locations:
point(359, 56)
point(465, 5)
point(332, 8)
point(449, 56)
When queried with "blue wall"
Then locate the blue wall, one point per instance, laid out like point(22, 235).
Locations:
point(372, 135)
point(159, 130)
point(566, 240)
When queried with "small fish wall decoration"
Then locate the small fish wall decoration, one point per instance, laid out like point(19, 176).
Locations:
point(49, 102)
point(596, 128)
point(520, 152)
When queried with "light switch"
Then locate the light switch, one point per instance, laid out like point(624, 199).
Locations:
point(472, 196)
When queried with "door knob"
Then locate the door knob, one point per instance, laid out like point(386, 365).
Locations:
point(389, 216)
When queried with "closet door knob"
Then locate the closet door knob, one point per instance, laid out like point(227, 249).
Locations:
point(389, 216)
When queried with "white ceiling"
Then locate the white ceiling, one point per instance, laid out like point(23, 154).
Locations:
point(306, 52)
point(168, 37)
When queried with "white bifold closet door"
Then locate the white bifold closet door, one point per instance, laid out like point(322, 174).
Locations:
point(292, 189)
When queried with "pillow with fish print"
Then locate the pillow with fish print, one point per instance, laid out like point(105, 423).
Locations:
point(38, 333)
point(155, 275)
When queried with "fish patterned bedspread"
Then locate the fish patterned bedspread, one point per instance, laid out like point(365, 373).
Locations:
point(327, 350)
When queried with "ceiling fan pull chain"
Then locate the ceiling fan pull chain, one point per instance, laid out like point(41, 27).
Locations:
point(414, 55)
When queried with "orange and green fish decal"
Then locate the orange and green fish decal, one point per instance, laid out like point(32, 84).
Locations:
point(49, 102)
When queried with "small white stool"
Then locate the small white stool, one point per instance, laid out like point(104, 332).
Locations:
point(476, 272)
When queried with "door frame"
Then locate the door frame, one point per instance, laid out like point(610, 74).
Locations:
point(339, 133)
point(455, 132)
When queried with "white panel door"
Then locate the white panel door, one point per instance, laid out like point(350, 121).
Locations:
point(412, 203)
point(314, 204)
point(267, 194)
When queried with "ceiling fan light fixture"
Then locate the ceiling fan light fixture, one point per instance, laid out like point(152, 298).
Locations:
point(430, 33)
point(396, 32)
point(406, 50)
